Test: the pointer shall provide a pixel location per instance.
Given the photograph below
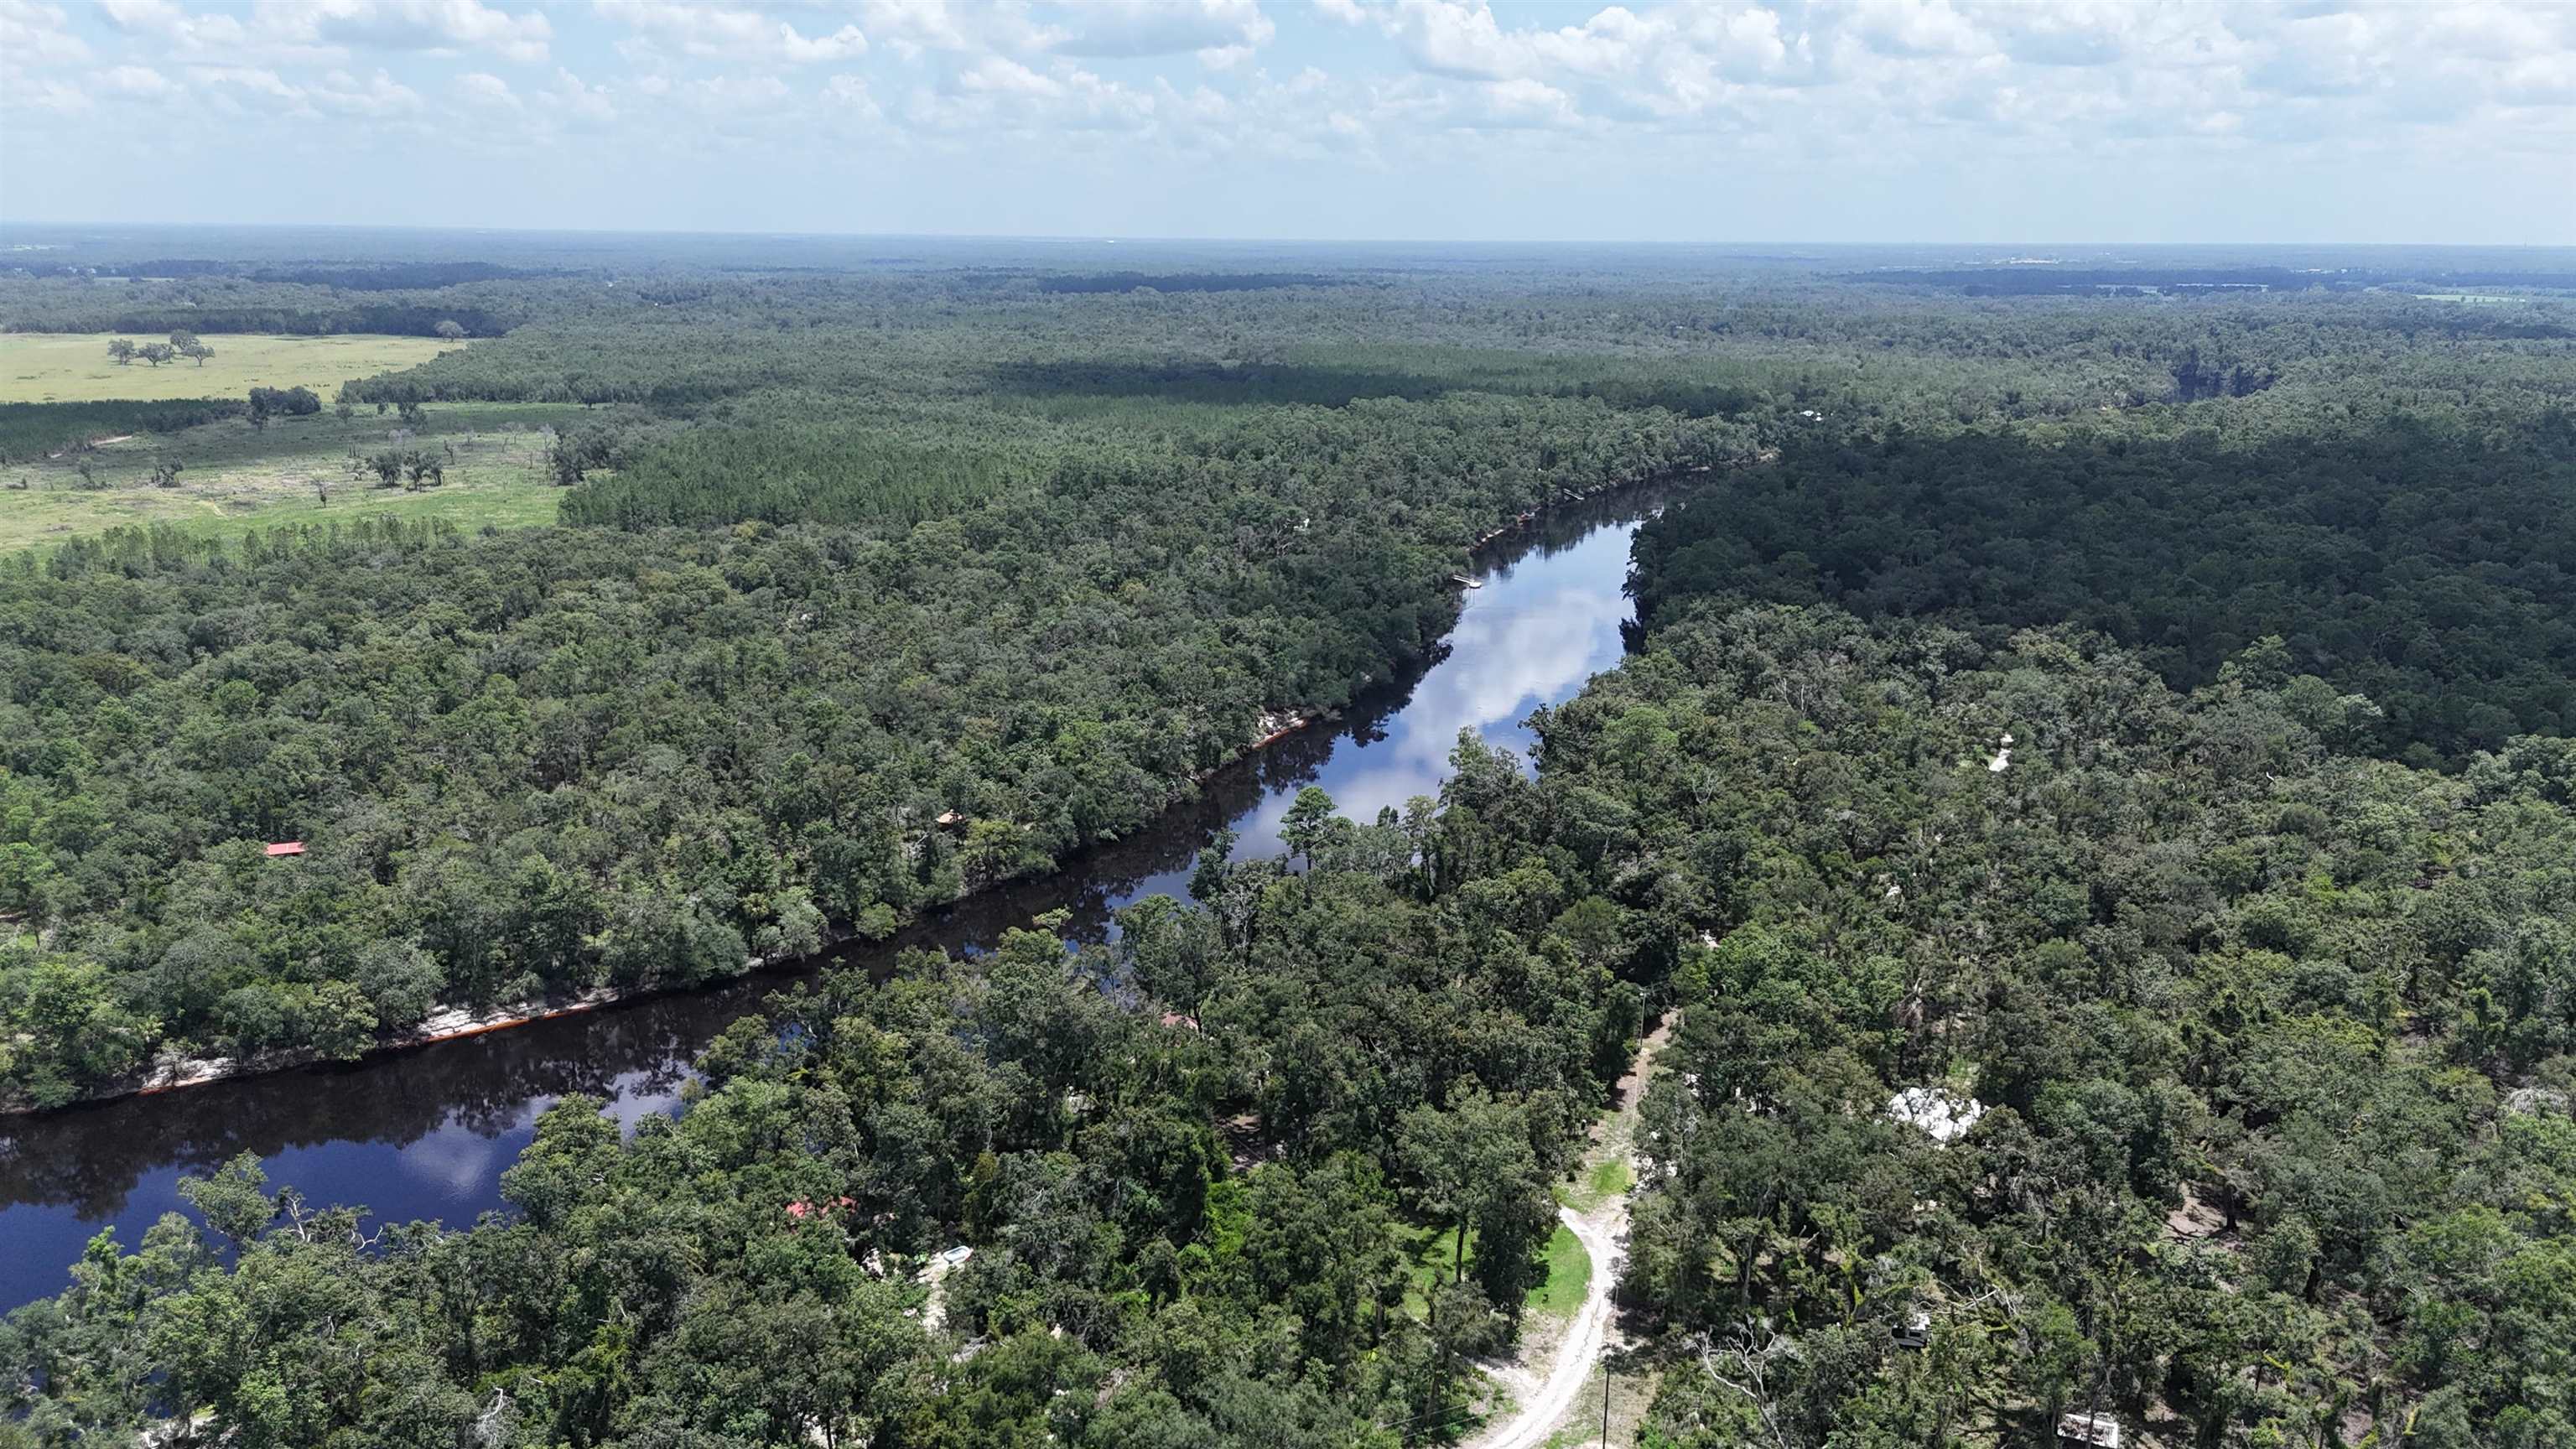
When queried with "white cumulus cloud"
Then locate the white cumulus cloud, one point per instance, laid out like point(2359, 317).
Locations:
point(412, 25)
point(717, 32)
point(485, 89)
point(1132, 28)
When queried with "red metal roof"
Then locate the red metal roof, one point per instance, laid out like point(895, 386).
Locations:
point(287, 847)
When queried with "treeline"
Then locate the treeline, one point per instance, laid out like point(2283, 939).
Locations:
point(393, 276)
point(549, 760)
point(1798, 362)
point(1708, 389)
point(2261, 1049)
point(361, 277)
point(785, 463)
point(2425, 565)
point(673, 364)
point(1793, 353)
point(29, 431)
point(2032, 279)
point(2038, 280)
point(1079, 282)
point(794, 466)
point(403, 319)
point(692, 354)
point(212, 305)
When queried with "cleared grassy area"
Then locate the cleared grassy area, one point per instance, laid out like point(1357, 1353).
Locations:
point(75, 367)
point(1569, 1273)
point(233, 476)
point(1606, 1179)
point(1431, 1257)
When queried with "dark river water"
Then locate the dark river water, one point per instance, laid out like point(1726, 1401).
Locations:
point(426, 1133)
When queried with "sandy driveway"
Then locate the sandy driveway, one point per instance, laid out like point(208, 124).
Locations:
point(1580, 1349)
point(1568, 1367)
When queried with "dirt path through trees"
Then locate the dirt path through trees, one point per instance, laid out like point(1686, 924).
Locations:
point(1597, 1214)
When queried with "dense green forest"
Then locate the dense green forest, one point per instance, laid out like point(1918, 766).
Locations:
point(555, 760)
point(2135, 726)
point(2272, 1041)
point(312, 301)
point(743, 1276)
point(2424, 563)
point(32, 430)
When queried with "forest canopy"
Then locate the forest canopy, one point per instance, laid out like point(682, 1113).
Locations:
point(2264, 1034)
point(2428, 566)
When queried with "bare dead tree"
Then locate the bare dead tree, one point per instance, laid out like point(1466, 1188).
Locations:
point(1744, 1366)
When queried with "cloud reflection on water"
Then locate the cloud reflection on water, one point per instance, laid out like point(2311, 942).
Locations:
point(1532, 636)
point(427, 1135)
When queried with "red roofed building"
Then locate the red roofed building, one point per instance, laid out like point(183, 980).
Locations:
point(287, 847)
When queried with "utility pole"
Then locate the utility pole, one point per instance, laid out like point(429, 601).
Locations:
point(1607, 1369)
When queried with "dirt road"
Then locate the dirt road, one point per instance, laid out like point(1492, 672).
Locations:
point(1580, 1349)
point(1577, 1352)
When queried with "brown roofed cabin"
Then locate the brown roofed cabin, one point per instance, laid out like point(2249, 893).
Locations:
point(286, 847)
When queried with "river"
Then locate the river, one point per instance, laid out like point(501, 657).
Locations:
point(426, 1133)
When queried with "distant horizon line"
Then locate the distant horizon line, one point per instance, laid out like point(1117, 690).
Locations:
point(1121, 238)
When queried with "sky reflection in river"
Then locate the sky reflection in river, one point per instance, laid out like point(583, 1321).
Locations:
point(427, 1134)
point(1535, 633)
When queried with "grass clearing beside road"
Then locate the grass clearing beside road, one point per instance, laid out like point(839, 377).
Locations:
point(1431, 1254)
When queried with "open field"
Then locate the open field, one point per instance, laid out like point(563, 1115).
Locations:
point(232, 476)
point(75, 367)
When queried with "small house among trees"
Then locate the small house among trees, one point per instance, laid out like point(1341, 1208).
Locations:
point(2088, 1431)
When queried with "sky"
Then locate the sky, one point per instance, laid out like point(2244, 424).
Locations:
point(1706, 121)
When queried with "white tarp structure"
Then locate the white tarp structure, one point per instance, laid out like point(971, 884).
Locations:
point(1944, 1115)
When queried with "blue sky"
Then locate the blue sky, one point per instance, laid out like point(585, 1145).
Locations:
point(1787, 120)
